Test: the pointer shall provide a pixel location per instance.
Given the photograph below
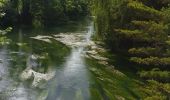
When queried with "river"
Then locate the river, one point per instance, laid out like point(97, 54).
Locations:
point(72, 76)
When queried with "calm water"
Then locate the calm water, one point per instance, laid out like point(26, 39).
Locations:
point(75, 78)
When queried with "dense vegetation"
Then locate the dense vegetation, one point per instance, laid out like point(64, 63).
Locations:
point(43, 12)
point(139, 29)
point(3, 39)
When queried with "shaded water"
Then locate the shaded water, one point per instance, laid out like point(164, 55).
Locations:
point(75, 78)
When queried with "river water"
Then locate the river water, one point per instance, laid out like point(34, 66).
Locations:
point(73, 76)
point(72, 80)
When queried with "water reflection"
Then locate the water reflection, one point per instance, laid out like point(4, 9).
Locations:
point(9, 89)
point(3, 69)
point(72, 80)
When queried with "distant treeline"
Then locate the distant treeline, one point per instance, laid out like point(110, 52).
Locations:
point(42, 12)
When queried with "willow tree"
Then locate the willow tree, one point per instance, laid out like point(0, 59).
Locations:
point(107, 13)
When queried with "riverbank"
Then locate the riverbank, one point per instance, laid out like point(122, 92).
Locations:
point(118, 85)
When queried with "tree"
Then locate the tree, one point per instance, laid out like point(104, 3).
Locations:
point(139, 30)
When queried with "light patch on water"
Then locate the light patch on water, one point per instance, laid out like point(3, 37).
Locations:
point(7, 90)
point(4, 82)
point(72, 80)
point(19, 94)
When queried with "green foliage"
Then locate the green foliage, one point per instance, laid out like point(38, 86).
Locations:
point(157, 90)
point(44, 12)
point(133, 34)
point(36, 10)
point(156, 97)
point(156, 74)
point(106, 13)
point(151, 26)
point(74, 8)
point(139, 9)
point(157, 4)
point(54, 12)
point(152, 61)
point(147, 51)
point(3, 39)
